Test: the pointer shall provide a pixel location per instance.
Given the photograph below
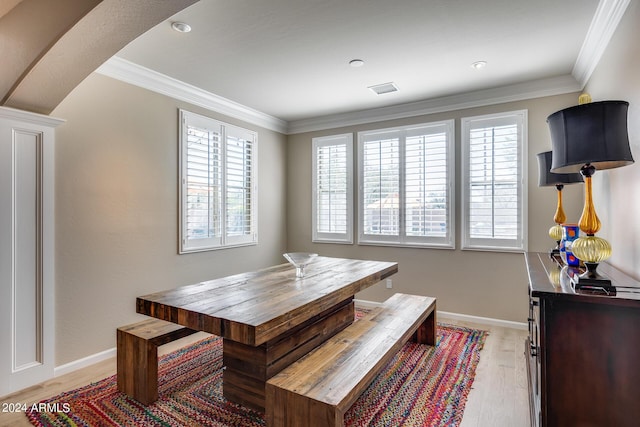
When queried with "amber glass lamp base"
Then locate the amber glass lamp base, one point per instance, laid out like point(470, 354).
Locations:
point(591, 249)
point(555, 233)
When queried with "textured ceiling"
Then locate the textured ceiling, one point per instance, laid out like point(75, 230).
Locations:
point(48, 47)
point(289, 59)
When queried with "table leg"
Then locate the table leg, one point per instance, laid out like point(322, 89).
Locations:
point(248, 368)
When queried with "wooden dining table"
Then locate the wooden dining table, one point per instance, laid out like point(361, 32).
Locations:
point(268, 318)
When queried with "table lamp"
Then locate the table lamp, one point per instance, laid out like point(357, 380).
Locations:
point(547, 178)
point(584, 138)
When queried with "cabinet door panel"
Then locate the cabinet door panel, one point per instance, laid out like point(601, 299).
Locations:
point(26, 249)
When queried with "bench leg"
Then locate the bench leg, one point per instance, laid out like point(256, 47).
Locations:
point(427, 333)
point(287, 409)
point(137, 361)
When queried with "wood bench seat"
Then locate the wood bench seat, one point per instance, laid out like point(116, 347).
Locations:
point(137, 356)
point(320, 387)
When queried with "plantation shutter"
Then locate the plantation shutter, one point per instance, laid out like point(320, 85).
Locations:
point(495, 190)
point(406, 190)
point(426, 184)
point(381, 185)
point(203, 182)
point(239, 185)
point(218, 189)
point(332, 198)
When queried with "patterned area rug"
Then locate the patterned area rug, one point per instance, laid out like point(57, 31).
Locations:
point(421, 386)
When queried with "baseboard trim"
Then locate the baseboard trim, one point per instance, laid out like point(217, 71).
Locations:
point(106, 354)
point(457, 316)
point(84, 362)
point(482, 320)
point(366, 303)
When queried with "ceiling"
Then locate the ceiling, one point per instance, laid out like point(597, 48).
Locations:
point(49, 47)
point(290, 59)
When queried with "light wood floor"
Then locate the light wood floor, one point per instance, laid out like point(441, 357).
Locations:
point(498, 398)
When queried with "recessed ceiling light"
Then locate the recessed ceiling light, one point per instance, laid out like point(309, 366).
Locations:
point(181, 27)
point(384, 88)
point(478, 65)
point(355, 63)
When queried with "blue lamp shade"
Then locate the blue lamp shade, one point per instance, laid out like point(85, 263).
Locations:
point(547, 178)
point(593, 133)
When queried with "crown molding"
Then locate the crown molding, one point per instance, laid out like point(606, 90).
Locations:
point(137, 75)
point(605, 21)
point(604, 24)
point(146, 78)
point(29, 117)
point(517, 92)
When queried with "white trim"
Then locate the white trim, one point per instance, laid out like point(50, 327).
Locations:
point(521, 118)
point(222, 239)
point(346, 238)
point(111, 353)
point(401, 133)
point(517, 92)
point(366, 303)
point(456, 316)
point(605, 21)
point(137, 75)
point(84, 362)
point(483, 320)
point(29, 117)
point(604, 24)
point(27, 146)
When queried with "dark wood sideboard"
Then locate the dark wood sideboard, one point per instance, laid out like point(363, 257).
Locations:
point(583, 348)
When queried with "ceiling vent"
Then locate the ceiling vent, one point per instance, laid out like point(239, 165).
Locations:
point(384, 88)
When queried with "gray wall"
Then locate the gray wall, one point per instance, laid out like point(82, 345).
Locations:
point(486, 284)
point(116, 207)
point(617, 191)
point(117, 211)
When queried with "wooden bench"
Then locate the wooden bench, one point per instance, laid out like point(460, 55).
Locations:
point(320, 387)
point(137, 354)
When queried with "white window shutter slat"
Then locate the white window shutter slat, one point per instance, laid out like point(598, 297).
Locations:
point(407, 182)
point(381, 188)
point(495, 194)
point(218, 207)
point(332, 189)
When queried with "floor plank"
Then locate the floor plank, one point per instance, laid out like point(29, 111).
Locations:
point(498, 398)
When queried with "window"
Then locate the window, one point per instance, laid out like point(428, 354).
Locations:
point(333, 189)
point(406, 186)
point(217, 188)
point(494, 165)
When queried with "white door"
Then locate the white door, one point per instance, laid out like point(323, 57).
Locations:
point(26, 249)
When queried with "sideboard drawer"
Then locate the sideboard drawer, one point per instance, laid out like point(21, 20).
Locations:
point(532, 353)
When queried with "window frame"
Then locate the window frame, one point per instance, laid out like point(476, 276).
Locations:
point(402, 239)
point(520, 118)
point(225, 240)
point(325, 237)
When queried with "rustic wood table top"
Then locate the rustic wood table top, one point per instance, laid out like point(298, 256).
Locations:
point(253, 308)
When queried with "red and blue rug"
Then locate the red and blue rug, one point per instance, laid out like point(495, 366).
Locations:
point(421, 386)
